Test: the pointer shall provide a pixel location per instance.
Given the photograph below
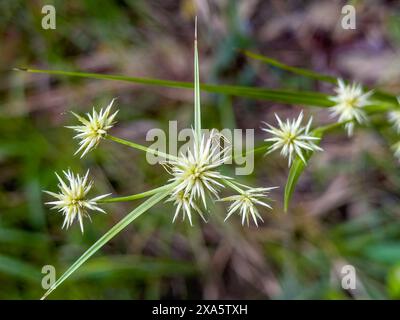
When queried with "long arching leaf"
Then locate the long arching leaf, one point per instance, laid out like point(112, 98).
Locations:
point(304, 98)
point(295, 70)
point(378, 94)
point(108, 236)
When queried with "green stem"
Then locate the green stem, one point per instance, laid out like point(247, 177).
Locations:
point(140, 147)
point(330, 127)
point(336, 125)
point(232, 185)
point(259, 149)
point(136, 196)
point(142, 208)
point(295, 70)
point(255, 151)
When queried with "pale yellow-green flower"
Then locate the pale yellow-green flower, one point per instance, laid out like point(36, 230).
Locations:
point(71, 200)
point(196, 173)
point(350, 102)
point(94, 128)
point(292, 138)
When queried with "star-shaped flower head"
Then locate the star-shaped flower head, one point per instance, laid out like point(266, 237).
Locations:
point(94, 128)
point(394, 117)
point(292, 138)
point(245, 204)
point(350, 101)
point(71, 200)
point(196, 173)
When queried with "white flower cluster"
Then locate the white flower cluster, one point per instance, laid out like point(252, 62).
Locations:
point(350, 101)
point(195, 174)
point(71, 200)
point(292, 138)
point(94, 128)
point(245, 203)
point(197, 179)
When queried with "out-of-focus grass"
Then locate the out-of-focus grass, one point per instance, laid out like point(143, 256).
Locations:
point(345, 211)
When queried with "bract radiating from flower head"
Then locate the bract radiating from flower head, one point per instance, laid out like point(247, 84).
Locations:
point(196, 171)
point(94, 128)
point(349, 103)
point(71, 200)
point(292, 138)
point(245, 204)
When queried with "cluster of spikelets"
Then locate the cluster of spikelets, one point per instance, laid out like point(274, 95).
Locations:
point(350, 102)
point(195, 177)
point(195, 174)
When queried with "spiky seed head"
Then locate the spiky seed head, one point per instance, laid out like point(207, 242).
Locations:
point(350, 101)
point(246, 203)
point(94, 128)
point(71, 200)
point(196, 173)
point(292, 138)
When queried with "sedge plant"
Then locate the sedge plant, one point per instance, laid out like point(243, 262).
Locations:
point(195, 176)
point(195, 179)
